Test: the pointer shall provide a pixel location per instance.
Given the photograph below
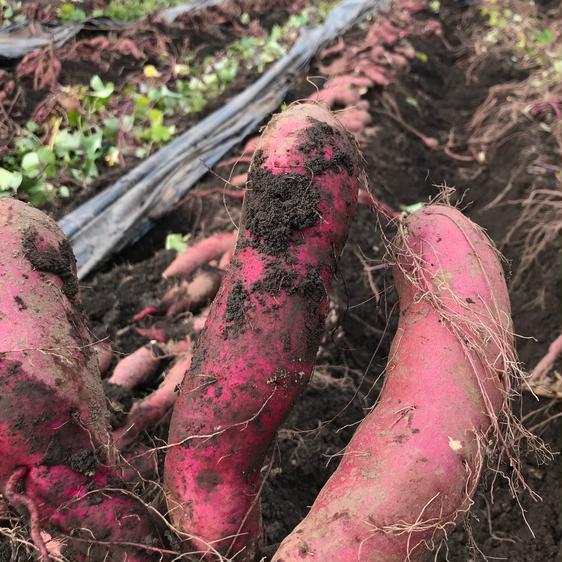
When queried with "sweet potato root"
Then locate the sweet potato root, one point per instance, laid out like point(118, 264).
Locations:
point(54, 432)
point(410, 470)
point(258, 348)
point(139, 367)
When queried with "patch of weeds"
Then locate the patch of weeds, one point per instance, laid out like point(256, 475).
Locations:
point(69, 13)
point(108, 125)
point(10, 12)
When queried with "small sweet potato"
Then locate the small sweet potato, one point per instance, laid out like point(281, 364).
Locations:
point(200, 253)
point(152, 409)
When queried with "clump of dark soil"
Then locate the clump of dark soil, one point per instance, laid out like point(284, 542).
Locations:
point(276, 207)
point(237, 304)
point(59, 261)
point(111, 299)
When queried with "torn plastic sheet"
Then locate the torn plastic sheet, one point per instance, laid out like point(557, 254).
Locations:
point(126, 210)
point(19, 39)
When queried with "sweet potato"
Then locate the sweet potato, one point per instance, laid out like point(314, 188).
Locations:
point(147, 412)
point(257, 350)
point(105, 355)
point(200, 253)
point(225, 259)
point(54, 433)
point(158, 334)
point(137, 366)
point(410, 470)
point(342, 90)
point(191, 295)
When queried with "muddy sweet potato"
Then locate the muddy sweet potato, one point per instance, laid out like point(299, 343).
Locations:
point(261, 337)
point(410, 471)
point(54, 434)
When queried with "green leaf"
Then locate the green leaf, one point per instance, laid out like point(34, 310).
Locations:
point(30, 164)
point(32, 127)
point(90, 169)
point(68, 12)
point(227, 70)
point(545, 37)
point(64, 191)
point(127, 122)
point(410, 209)
point(73, 118)
point(25, 144)
point(99, 89)
point(66, 141)
point(154, 94)
point(422, 57)
point(30, 161)
point(412, 101)
point(46, 155)
point(9, 181)
point(167, 93)
point(177, 242)
point(156, 117)
point(92, 145)
point(161, 133)
point(111, 126)
point(40, 192)
point(141, 102)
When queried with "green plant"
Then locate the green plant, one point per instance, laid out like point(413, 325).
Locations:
point(177, 242)
point(10, 12)
point(68, 12)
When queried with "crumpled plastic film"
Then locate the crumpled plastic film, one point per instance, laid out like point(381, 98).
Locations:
point(126, 210)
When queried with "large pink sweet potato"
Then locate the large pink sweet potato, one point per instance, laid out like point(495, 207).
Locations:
point(258, 348)
point(56, 454)
point(410, 470)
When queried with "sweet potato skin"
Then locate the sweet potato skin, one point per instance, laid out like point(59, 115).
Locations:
point(413, 464)
point(257, 350)
point(47, 359)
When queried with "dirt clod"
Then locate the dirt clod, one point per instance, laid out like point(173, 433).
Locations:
point(59, 261)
